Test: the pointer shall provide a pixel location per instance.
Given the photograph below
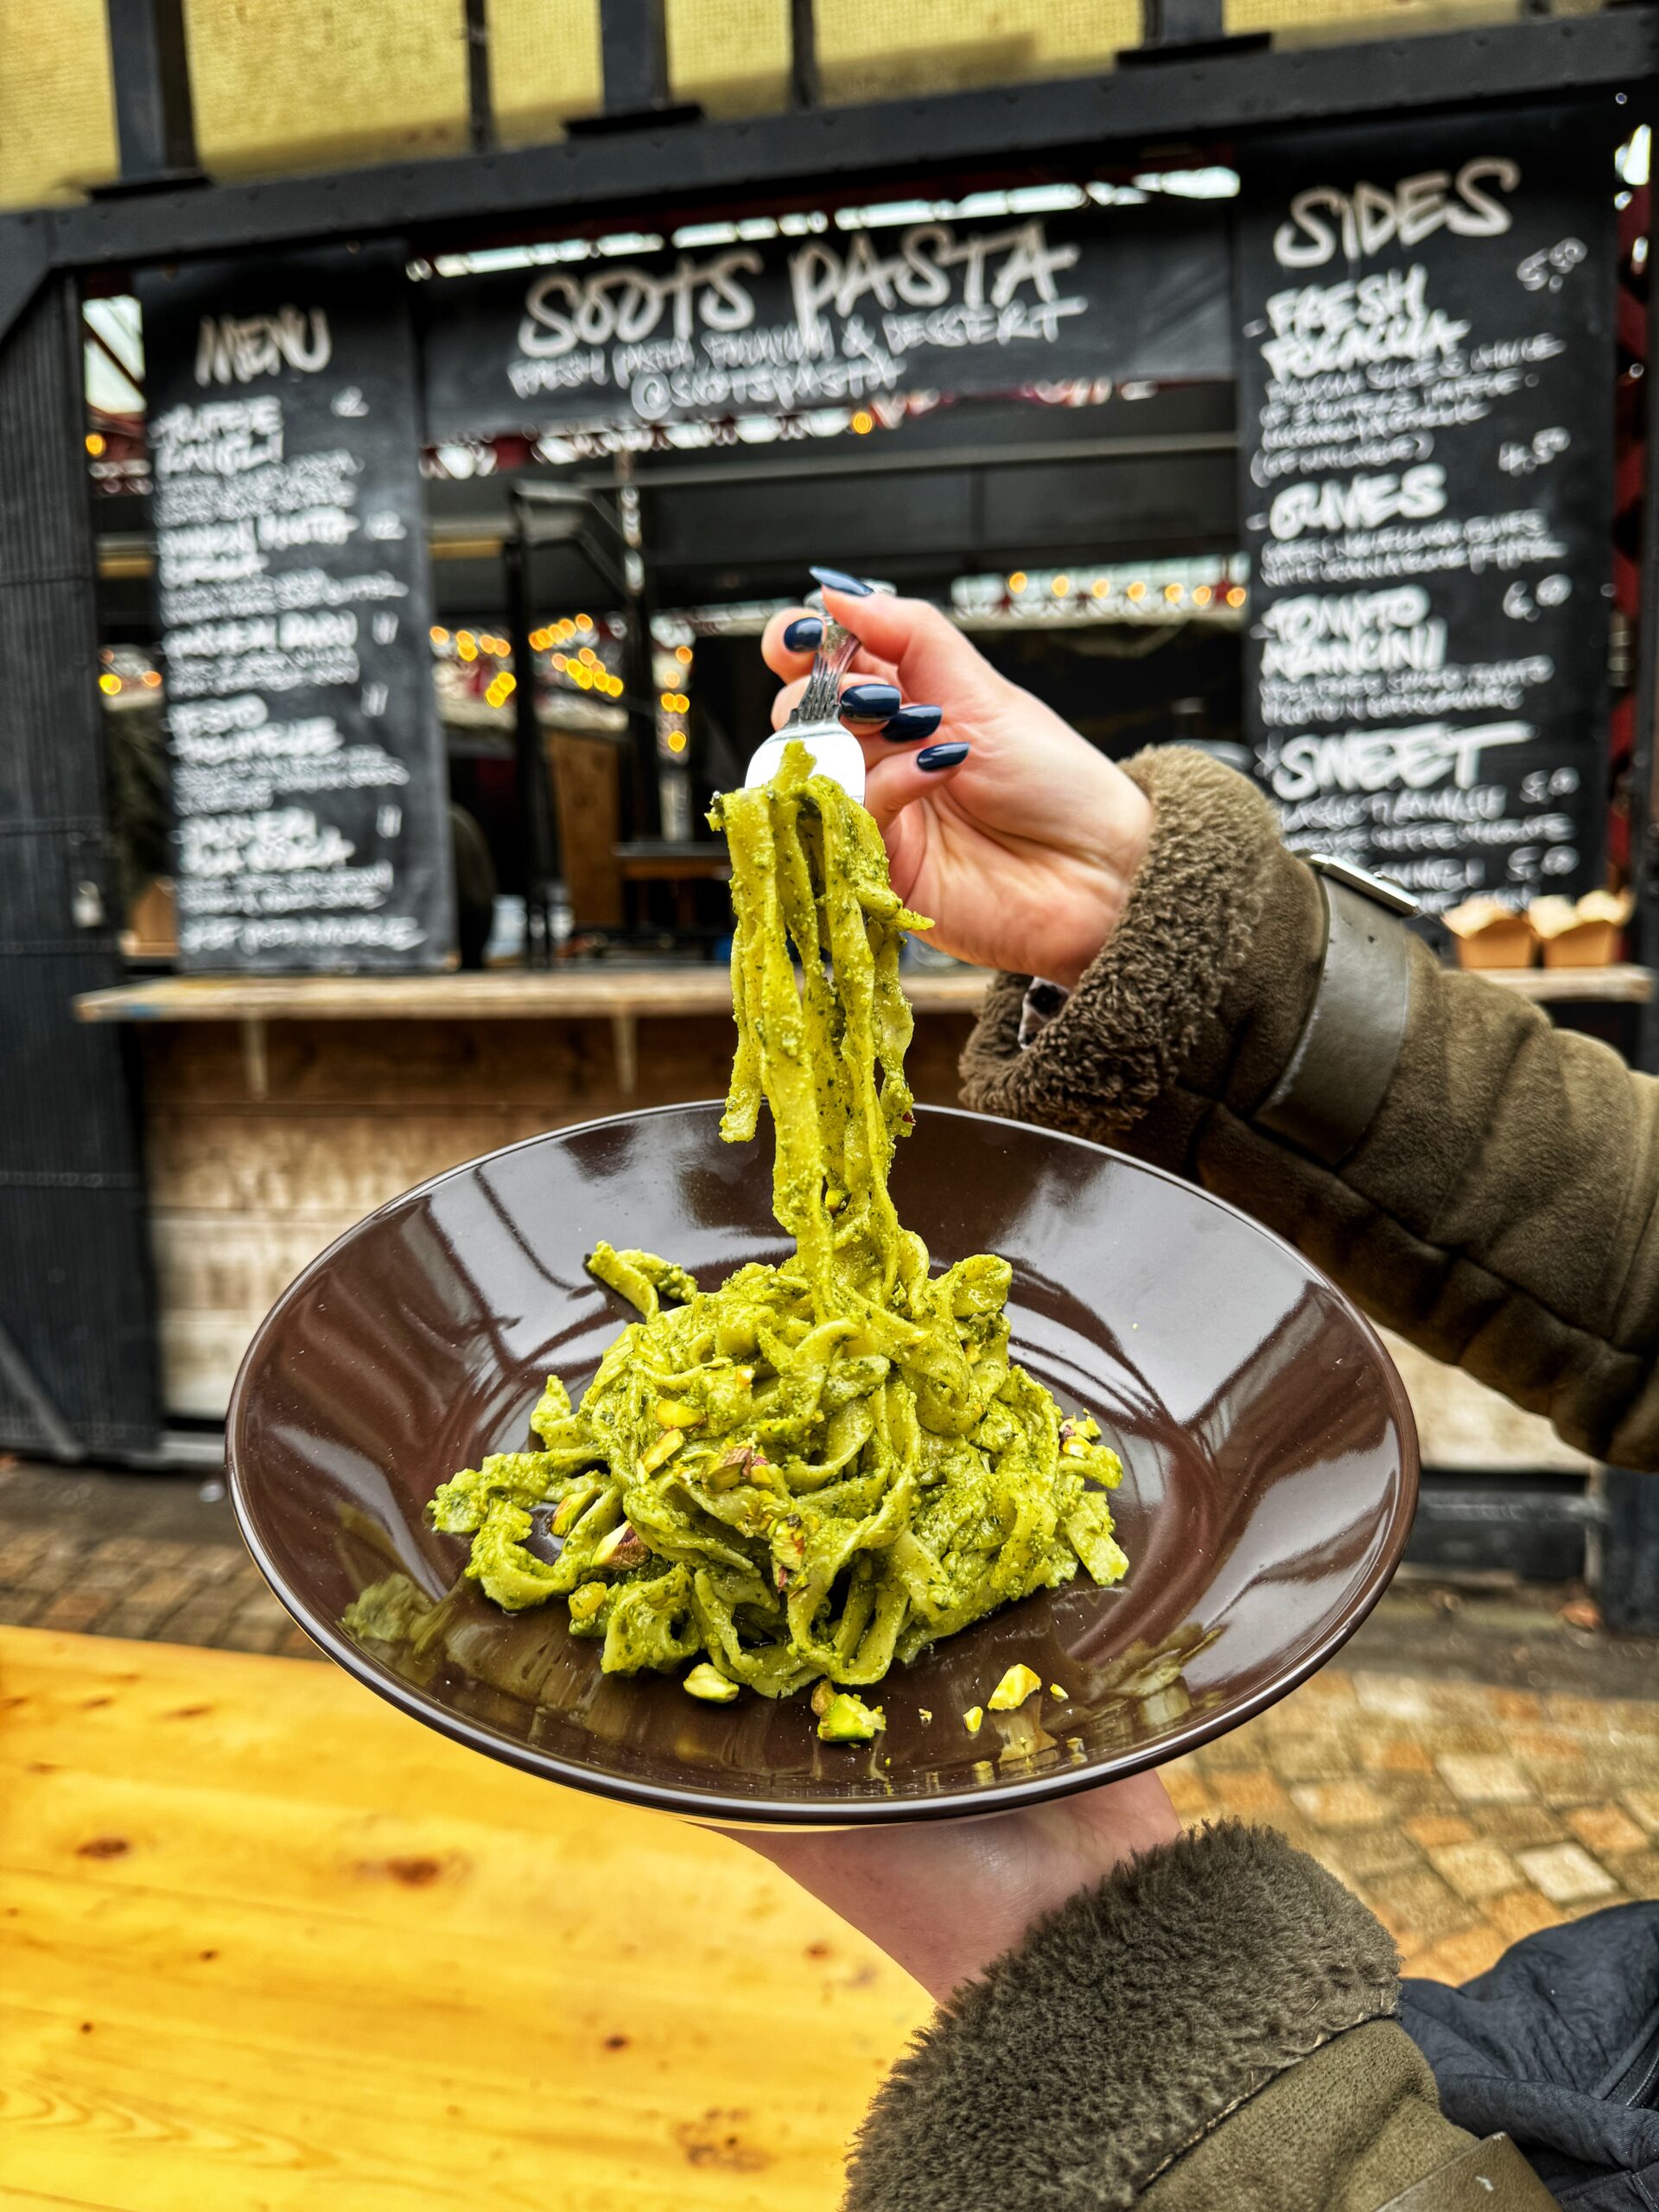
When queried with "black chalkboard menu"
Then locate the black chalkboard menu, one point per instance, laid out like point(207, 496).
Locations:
point(836, 319)
point(308, 778)
point(1425, 405)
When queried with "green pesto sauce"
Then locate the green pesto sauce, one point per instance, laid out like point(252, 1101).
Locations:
point(819, 1468)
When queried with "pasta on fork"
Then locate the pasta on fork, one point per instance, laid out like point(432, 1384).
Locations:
point(817, 1469)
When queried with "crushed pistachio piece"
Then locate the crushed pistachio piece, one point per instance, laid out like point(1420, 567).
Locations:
point(622, 1548)
point(1015, 1687)
point(586, 1601)
point(707, 1682)
point(672, 1414)
point(824, 1696)
point(734, 1468)
point(1054, 1690)
point(788, 1547)
point(664, 1449)
point(972, 1719)
point(848, 1719)
point(571, 1507)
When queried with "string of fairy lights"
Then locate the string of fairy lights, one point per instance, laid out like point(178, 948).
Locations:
point(576, 656)
point(579, 656)
point(1215, 589)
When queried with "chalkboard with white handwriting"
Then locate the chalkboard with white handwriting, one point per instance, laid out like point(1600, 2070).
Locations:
point(308, 771)
point(1425, 408)
point(789, 324)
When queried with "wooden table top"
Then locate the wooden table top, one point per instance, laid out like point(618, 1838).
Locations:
point(267, 1945)
point(505, 995)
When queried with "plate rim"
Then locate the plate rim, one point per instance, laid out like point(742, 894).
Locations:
point(709, 1806)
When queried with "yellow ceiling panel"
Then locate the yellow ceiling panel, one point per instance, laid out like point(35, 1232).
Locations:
point(544, 65)
point(286, 84)
point(870, 50)
point(57, 108)
point(1331, 20)
point(731, 56)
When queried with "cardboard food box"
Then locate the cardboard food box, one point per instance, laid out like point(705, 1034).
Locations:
point(1586, 934)
point(152, 930)
point(1491, 936)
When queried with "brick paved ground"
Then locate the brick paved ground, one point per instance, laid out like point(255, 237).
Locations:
point(1466, 1815)
point(138, 1555)
point(1479, 1767)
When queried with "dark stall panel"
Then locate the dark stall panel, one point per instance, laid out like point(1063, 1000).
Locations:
point(766, 534)
point(1112, 510)
point(78, 1363)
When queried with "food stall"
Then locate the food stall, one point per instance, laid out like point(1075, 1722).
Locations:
point(476, 433)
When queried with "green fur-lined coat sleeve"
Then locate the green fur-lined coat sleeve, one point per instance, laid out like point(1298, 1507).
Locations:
point(1500, 1211)
point(1206, 2028)
point(1209, 2028)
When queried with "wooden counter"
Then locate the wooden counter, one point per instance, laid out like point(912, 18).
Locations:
point(278, 1110)
point(514, 994)
point(622, 996)
point(571, 993)
point(269, 1946)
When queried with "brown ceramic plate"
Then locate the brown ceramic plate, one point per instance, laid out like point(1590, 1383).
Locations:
point(1270, 1462)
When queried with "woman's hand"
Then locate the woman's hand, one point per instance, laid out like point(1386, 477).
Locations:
point(944, 1898)
point(1010, 830)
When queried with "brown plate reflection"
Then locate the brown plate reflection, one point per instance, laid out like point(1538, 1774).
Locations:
point(1270, 1463)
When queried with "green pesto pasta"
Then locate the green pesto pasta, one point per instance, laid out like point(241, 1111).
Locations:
point(823, 1467)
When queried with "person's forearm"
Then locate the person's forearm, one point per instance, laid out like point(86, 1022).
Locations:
point(1497, 1209)
point(945, 1898)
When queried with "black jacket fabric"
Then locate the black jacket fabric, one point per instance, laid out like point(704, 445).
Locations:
point(1557, 2048)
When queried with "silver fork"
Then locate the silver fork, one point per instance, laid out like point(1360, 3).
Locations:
point(821, 701)
point(815, 721)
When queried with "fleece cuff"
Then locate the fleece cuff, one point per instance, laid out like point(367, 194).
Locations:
point(1127, 1031)
point(1125, 2025)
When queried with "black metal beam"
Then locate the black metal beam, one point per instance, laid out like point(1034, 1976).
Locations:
point(1641, 785)
point(481, 99)
point(1184, 22)
point(538, 817)
point(26, 261)
point(811, 464)
point(149, 68)
point(634, 53)
point(806, 84)
point(1087, 120)
point(1630, 1570)
point(78, 1352)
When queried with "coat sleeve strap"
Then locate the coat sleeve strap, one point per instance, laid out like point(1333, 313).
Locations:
point(1344, 1060)
point(1488, 2176)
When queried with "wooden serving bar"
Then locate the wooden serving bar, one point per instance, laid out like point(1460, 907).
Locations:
point(278, 1110)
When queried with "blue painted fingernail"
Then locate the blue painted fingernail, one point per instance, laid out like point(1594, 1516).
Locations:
point(912, 723)
point(932, 758)
point(870, 702)
point(804, 634)
point(838, 580)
